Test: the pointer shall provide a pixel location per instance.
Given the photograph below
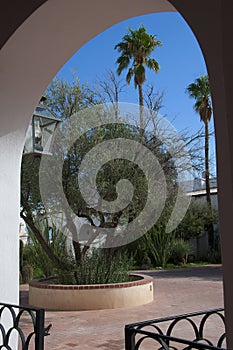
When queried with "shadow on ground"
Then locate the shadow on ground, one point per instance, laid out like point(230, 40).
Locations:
point(208, 272)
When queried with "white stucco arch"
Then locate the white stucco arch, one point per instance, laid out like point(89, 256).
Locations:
point(37, 50)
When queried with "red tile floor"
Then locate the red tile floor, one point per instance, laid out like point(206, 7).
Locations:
point(175, 292)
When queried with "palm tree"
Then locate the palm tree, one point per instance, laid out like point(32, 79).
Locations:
point(200, 91)
point(135, 50)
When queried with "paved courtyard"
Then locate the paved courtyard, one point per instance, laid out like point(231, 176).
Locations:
point(175, 292)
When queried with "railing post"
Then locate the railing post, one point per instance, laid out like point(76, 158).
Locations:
point(129, 338)
point(39, 331)
point(36, 333)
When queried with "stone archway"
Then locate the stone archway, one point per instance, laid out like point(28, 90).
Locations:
point(42, 44)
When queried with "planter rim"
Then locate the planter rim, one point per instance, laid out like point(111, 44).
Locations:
point(43, 283)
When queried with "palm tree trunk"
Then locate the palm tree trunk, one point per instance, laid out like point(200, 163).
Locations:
point(141, 105)
point(207, 182)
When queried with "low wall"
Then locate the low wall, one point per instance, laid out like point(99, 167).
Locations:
point(44, 294)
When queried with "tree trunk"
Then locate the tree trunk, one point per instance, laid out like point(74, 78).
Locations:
point(73, 230)
point(207, 182)
point(117, 106)
point(141, 104)
point(43, 243)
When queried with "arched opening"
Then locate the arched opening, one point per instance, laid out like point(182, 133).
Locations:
point(20, 73)
point(94, 60)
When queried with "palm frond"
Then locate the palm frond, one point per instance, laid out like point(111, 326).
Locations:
point(200, 91)
point(129, 75)
point(123, 62)
point(152, 64)
point(135, 49)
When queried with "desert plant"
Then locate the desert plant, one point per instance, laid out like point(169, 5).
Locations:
point(98, 267)
point(160, 244)
point(27, 273)
point(36, 256)
point(179, 251)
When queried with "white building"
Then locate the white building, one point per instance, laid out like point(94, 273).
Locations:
point(199, 191)
point(200, 243)
point(23, 234)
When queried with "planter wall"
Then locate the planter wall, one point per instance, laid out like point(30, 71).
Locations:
point(44, 294)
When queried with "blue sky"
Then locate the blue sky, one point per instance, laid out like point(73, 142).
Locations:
point(180, 58)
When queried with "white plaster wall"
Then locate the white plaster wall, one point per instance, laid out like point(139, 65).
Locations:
point(59, 28)
point(9, 215)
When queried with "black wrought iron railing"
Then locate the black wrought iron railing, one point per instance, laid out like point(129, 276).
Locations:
point(199, 330)
point(22, 327)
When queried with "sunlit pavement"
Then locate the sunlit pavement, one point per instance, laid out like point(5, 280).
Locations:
point(176, 292)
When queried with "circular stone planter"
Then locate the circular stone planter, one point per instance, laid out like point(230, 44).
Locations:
point(44, 294)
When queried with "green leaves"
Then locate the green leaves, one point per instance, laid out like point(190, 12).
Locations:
point(135, 49)
point(200, 91)
point(195, 220)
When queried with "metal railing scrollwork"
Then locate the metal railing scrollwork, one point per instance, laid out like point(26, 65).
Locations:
point(22, 327)
point(199, 330)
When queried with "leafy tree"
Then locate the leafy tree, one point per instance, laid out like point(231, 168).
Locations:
point(135, 50)
point(196, 219)
point(63, 101)
point(110, 174)
point(31, 203)
point(66, 98)
point(200, 91)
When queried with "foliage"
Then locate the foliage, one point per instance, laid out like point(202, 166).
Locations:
point(160, 244)
point(200, 91)
point(135, 49)
point(50, 256)
point(36, 256)
point(214, 255)
point(30, 192)
point(196, 219)
point(110, 174)
point(157, 244)
point(99, 267)
point(108, 177)
point(180, 250)
point(25, 270)
point(67, 98)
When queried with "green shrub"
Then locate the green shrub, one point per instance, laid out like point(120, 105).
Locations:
point(27, 273)
point(160, 244)
point(98, 267)
point(36, 256)
point(179, 251)
point(214, 255)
